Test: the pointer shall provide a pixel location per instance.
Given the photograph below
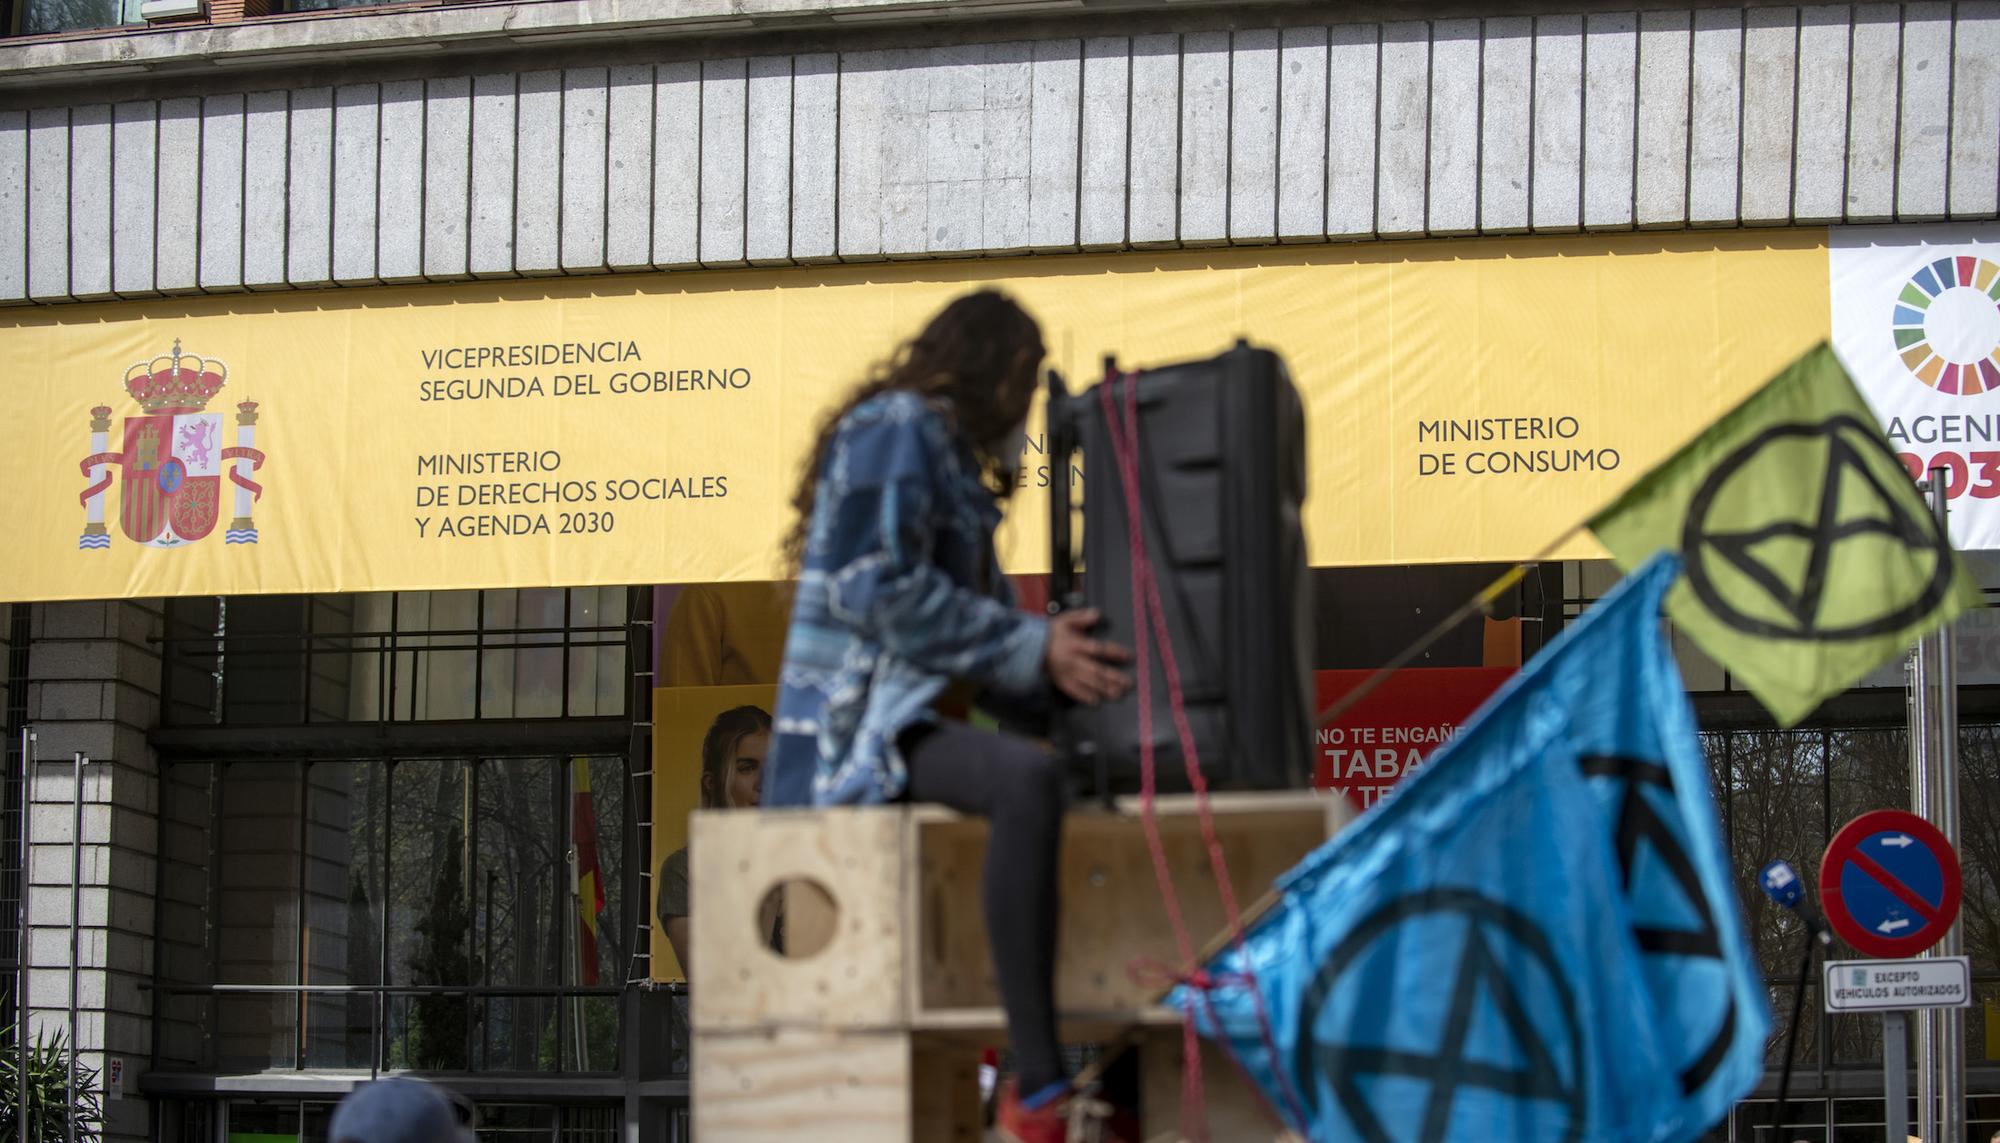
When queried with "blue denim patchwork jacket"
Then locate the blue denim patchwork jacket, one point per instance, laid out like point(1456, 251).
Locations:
point(899, 594)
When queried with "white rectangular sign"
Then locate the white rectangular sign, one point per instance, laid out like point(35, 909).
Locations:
point(1893, 985)
point(1916, 320)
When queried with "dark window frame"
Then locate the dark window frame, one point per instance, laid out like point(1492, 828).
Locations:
point(624, 738)
point(199, 645)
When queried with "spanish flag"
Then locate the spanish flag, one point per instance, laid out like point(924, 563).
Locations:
point(589, 874)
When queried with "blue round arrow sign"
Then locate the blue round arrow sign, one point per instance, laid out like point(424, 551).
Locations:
point(1890, 884)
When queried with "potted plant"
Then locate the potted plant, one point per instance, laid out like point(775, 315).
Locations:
point(49, 1087)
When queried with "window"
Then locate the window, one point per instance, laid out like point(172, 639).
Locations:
point(47, 17)
point(420, 913)
point(1978, 646)
point(413, 656)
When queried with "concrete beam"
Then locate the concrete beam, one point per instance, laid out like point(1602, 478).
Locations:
point(1752, 115)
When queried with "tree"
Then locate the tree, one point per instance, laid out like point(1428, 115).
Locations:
point(363, 946)
point(439, 1024)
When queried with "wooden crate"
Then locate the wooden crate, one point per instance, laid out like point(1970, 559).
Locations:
point(789, 1084)
point(1111, 914)
point(875, 1035)
point(1234, 1110)
point(857, 980)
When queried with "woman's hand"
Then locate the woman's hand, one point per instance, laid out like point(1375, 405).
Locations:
point(1081, 667)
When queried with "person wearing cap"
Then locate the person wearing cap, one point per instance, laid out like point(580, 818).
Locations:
point(402, 1110)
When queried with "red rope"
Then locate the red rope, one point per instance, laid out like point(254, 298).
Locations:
point(1194, 1123)
point(1151, 612)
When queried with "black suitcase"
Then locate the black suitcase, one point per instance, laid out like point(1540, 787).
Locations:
point(1222, 474)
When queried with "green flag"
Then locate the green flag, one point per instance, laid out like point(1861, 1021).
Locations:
point(1810, 559)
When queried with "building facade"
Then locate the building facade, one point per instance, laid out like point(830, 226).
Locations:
point(323, 833)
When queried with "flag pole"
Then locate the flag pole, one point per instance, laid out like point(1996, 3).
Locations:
point(1782, 1112)
point(1922, 744)
point(1269, 899)
point(1937, 789)
point(1479, 603)
point(576, 1002)
point(1482, 602)
point(574, 941)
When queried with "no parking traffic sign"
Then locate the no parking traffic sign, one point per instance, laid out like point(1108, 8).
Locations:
point(1890, 884)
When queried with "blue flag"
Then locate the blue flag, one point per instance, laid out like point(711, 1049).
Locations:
point(1534, 938)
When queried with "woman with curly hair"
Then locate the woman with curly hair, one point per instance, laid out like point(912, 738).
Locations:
point(902, 621)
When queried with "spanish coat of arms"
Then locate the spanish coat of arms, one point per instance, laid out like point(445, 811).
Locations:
point(174, 459)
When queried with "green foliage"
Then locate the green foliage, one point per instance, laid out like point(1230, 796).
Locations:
point(600, 1029)
point(48, 1076)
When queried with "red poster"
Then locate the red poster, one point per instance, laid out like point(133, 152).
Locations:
point(1391, 732)
point(1032, 592)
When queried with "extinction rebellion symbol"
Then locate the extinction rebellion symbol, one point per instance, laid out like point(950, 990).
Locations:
point(1766, 574)
point(174, 458)
point(1501, 1032)
point(1504, 956)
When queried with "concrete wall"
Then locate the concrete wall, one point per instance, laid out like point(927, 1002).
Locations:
point(1557, 122)
point(94, 688)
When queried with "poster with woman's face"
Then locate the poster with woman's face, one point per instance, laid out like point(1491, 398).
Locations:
point(709, 747)
point(716, 655)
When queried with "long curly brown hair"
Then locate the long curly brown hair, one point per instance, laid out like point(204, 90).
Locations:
point(976, 360)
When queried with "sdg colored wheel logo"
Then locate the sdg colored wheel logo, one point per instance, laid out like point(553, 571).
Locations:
point(1947, 326)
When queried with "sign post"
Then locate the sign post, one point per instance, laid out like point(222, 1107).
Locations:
point(1892, 987)
point(1782, 884)
point(1896, 1075)
point(1890, 884)
point(1947, 1033)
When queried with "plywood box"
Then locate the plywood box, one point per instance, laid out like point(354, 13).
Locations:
point(788, 1084)
point(857, 857)
point(869, 1025)
point(1112, 914)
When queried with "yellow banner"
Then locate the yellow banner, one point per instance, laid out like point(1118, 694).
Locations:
point(1468, 401)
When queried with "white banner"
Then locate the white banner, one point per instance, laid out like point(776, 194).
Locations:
point(1916, 319)
point(1890, 985)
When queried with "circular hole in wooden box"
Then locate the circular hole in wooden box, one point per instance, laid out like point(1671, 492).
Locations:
point(798, 917)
